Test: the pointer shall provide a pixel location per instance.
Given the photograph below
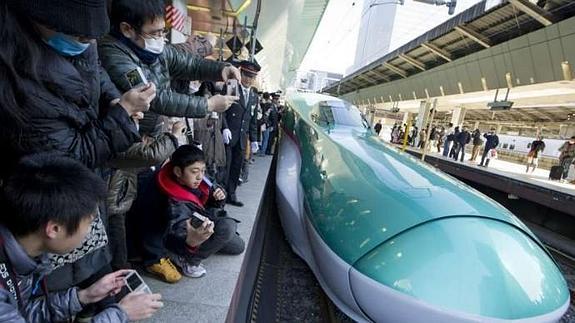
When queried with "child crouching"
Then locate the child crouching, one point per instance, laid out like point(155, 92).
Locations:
point(183, 181)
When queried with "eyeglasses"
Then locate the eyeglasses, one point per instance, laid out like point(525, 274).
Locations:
point(157, 34)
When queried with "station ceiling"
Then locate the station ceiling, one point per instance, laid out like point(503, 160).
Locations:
point(471, 31)
point(285, 30)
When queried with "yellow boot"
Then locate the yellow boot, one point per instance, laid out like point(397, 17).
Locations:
point(165, 270)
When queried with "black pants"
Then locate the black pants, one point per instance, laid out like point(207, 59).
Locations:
point(117, 240)
point(225, 240)
point(460, 150)
point(484, 161)
point(146, 222)
point(234, 159)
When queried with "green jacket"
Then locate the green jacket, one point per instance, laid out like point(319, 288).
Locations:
point(173, 64)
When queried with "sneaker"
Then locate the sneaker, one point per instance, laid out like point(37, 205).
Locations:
point(165, 270)
point(189, 270)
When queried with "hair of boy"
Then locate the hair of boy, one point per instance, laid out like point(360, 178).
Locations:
point(46, 187)
point(135, 12)
point(186, 155)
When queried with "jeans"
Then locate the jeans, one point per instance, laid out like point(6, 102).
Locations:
point(460, 149)
point(446, 146)
point(484, 161)
point(265, 140)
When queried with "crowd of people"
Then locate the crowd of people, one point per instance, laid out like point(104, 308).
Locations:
point(451, 142)
point(102, 170)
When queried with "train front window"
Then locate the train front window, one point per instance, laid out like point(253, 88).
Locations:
point(340, 113)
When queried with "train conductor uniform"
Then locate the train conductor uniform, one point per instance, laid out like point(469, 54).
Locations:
point(242, 124)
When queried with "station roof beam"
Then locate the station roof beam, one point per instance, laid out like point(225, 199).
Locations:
point(368, 79)
point(437, 51)
point(473, 35)
point(377, 73)
point(413, 62)
point(396, 70)
point(537, 13)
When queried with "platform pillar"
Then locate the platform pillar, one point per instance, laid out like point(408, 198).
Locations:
point(458, 116)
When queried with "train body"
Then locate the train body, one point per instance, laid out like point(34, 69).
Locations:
point(391, 239)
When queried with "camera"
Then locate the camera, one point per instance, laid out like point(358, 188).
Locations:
point(136, 77)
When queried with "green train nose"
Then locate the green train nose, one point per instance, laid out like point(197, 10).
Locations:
point(478, 266)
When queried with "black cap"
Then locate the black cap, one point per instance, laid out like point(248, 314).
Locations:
point(86, 18)
point(249, 68)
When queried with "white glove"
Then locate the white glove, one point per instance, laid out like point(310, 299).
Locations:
point(254, 147)
point(227, 134)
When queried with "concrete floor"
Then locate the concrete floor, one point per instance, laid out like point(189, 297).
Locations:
point(207, 299)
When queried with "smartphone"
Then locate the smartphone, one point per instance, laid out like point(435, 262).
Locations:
point(136, 78)
point(135, 283)
point(232, 87)
point(197, 220)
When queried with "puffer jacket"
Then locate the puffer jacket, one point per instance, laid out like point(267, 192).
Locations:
point(59, 306)
point(123, 184)
point(172, 64)
point(69, 112)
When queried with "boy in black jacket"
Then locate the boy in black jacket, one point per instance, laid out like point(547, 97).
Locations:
point(190, 192)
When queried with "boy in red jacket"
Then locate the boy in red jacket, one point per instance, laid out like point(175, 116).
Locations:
point(190, 192)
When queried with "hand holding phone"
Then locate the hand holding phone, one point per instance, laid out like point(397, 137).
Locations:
point(136, 78)
point(232, 87)
point(135, 283)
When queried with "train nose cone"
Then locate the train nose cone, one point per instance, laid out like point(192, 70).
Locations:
point(460, 269)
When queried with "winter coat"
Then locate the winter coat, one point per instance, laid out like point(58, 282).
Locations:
point(59, 306)
point(69, 113)
point(208, 132)
point(123, 184)
point(477, 141)
point(537, 146)
point(173, 63)
point(463, 138)
point(492, 141)
point(567, 150)
point(182, 203)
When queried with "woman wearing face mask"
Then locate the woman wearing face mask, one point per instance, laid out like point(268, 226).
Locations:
point(54, 96)
point(137, 40)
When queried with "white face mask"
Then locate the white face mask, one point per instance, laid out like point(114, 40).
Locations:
point(155, 46)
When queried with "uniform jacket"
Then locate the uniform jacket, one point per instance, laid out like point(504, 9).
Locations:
point(173, 63)
point(240, 120)
point(69, 113)
point(37, 308)
point(182, 203)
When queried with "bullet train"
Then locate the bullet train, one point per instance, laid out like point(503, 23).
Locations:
point(391, 239)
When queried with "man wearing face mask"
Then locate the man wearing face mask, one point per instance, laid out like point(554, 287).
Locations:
point(55, 97)
point(138, 40)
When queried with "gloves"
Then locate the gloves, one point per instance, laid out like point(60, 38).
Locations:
point(227, 134)
point(254, 147)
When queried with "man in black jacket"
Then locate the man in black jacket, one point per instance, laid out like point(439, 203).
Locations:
point(462, 139)
point(242, 126)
